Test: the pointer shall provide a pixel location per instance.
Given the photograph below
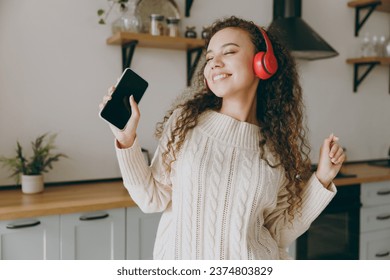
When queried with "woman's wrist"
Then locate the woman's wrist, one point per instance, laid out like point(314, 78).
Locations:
point(324, 181)
point(126, 142)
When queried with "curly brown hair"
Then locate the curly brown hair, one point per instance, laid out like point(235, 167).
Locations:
point(280, 113)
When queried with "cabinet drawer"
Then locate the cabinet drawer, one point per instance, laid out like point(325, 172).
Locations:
point(375, 193)
point(375, 218)
point(93, 236)
point(30, 239)
point(375, 245)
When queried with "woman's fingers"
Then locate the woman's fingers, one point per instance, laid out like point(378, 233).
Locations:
point(336, 153)
point(340, 159)
point(107, 97)
point(134, 107)
point(111, 90)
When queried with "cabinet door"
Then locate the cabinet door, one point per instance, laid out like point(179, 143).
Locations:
point(375, 218)
point(93, 236)
point(141, 233)
point(30, 239)
point(377, 193)
point(375, 245)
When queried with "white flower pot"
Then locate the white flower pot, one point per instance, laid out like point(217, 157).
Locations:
point(32, 184)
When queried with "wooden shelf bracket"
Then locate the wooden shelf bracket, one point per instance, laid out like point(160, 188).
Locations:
point(192, 63)
point(127, 53)
point(356, 79)
point(188, 7)
point(368, 63)
point(359, 22)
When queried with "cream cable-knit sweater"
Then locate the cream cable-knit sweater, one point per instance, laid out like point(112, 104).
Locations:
point(220, 201)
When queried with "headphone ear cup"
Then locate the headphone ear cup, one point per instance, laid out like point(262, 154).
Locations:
point(259, 67)
point(270, 63)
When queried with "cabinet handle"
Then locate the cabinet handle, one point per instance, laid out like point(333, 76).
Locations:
point(381, 255)
point(383, 192)
point(381, 218)
point(94, 216)
point(23, 224)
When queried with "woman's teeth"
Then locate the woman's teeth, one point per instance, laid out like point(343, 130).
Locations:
point(219, 77)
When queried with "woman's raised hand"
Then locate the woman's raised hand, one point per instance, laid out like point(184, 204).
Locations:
point(125, 138)
point(331, 158)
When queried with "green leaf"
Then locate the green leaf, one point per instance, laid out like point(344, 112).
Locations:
point(41, 160)
point(101, 21)
point(100, 12)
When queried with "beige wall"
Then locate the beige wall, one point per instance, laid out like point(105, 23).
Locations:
point(55, 67)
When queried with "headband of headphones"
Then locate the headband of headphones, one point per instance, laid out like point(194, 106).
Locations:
point(265, 64)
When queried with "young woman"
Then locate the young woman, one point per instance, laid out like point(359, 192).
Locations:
point(231, 172)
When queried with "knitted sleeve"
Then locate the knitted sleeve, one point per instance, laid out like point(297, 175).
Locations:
point(149, 186)
point(314, 200)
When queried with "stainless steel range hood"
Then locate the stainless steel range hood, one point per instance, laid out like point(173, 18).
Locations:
point(299, 37)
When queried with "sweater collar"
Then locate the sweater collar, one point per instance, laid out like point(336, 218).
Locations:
point(230, 130)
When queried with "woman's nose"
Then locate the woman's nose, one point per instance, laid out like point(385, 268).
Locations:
point(216, 62)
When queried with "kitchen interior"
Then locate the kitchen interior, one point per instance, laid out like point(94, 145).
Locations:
point(58, 62)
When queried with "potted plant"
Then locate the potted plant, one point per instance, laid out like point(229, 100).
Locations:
point(103, 14)
point(31, 170)
point(128, 20)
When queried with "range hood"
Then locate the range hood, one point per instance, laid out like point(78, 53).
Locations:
point(296, 34)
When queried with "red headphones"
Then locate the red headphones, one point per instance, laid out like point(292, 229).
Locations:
point(265, 64)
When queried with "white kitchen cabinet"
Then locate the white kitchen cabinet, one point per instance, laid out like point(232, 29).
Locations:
point(93, 236)
point(375, 221)
point(115, 234)
point(373, 194)
point(141, 233)
point(375, 245)
point(30, 239)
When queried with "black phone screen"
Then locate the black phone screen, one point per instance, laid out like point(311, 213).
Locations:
point(117, 111)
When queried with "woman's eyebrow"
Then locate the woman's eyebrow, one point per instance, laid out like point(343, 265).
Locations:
point(225, 45)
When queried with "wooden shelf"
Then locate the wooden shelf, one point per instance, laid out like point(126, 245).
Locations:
point(384, 5)
point(128, 41)
point(368, 63)
point(160, 42)
point(380, 60)
point(369, 6)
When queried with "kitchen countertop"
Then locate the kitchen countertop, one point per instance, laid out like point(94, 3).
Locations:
point(364, 172)
point(64, 199)
point(102, 195)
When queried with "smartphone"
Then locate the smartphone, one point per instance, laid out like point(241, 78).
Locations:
point(117, 111)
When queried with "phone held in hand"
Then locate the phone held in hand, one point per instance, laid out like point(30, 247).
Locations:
point(117, 111)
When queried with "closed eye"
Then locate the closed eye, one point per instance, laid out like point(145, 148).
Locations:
point(208, 59)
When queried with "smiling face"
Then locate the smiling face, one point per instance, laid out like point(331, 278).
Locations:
point(229, 67)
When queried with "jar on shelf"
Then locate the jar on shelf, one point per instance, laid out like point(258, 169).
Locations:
point(129, 20)
point(156, 24)
point(190, 32)
point(374, 45)
point(205, 32)
point(387, 50)
point(366, 46)
point(173, 27)
point(382, 46)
